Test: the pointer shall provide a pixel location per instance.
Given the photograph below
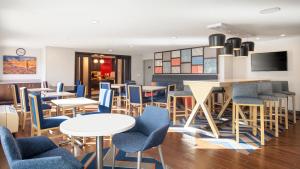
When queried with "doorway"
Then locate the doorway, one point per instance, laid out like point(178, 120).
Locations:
point(148, 71)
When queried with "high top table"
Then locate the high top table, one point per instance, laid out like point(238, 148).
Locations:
point(202, 90)
point(40, 90)
point(119, 88)
point(97, 125)
point(151, 89)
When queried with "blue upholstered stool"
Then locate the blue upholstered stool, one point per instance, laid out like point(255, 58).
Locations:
point(245, 94)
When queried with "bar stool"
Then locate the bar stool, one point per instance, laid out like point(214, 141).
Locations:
point(286, 91)
point(215, 93)
point(283, 102)
point(162, 101)
point(265, 92)
point(246, 95)
point(179, 94)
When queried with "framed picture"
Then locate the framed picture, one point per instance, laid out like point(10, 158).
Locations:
point(19, 65)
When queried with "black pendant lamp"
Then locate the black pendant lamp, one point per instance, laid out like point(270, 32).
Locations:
point(236, 53)
point(236, 42)
point(249, 45)
point(227, 50)
point(216, 40)
point(244, 51)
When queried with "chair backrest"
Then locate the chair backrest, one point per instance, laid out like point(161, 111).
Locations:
point(105, 100)
point(45, 84)
point(104, 85)
point(77, 82)
point(10, 146)
point(126, 87)
point(285, 86)
point(277, 86)
point(35, 103)
point(24, 99)
point(264, 88)
point(245, 90)
point(154, 123)
point(171, 87)
point(15, 93)
point(135, 94)
point(80, 91)
point(60, 87)
point(130, 81)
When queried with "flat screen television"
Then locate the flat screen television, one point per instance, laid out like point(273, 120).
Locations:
point(270, 61)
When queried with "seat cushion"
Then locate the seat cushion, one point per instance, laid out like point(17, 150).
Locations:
point(129, 141)
point(247, 100)
point(289, 93)
point(48, 98)
point(53, 121)
point(280, 95)
point(218, 90)
point(46, 107)
point(160, 99)
point(62, 153)
point(180, 93)
point(268, 97)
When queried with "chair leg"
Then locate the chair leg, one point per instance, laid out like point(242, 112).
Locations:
point(113, 156)
point(24, 120)
point(276, 119)
point(262, 125)
point(174, 110)
point(139, 160)
point(233, 117)
point(286, 115)
point(294, 110)
point(255, 120)
point(161, 157)
point(271, 115)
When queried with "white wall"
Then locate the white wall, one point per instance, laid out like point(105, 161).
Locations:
point(29, 52)
point(242, 65)
point(137, 68)
point(59, 65)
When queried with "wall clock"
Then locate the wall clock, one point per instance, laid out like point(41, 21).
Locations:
point(20, 51)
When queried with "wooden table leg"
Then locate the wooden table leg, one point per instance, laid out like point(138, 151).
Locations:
point(174, 110)
point(262, 125)
point(276, 119)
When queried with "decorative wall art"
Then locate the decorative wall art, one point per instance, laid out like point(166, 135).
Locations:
point(199, 60)
point(19, 65)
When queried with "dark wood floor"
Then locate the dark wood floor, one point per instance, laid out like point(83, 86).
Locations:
point(279, 153)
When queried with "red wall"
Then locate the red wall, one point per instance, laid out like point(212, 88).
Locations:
point(106, 67)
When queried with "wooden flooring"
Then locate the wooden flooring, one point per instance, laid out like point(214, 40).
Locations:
point(279, 153)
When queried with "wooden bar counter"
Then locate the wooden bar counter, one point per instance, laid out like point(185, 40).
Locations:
point(202, 90)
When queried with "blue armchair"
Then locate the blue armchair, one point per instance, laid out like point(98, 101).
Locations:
point(35, 153)
point(39, 123)
point(149, 131)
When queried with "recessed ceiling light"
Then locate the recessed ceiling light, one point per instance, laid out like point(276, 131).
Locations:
point(174, 37)
point(269, 10)
point(131, 46)
point(95, 22)
point(257, 38)
point(110, 50)
point(282, 35)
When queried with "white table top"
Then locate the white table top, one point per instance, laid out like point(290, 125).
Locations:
point(97, 125)
point(58, 94)
point(153, 88)
point(40, 90)
point(116, 86)
point(74, 102)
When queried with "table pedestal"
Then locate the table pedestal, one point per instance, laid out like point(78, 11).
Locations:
point(99, 154)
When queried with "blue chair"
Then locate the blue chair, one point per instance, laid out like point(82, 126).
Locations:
point(246, 95)
point(39, 123)
point(35, 152)
point(104, 85)
point(59, 88)
point(16, 95)
point(45, 84)
point(25, 108)
point(80, 91)
point(124, 93)
point(136, 99)
point(163, 99)
point(77, 83)
point(105, 102)
point(149, 131)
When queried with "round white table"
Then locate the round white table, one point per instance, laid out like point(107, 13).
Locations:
point(97, 125)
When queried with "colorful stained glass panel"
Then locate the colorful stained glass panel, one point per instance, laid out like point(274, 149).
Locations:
point(210, 52)
point(186, 68)
point(158, 55)
point(210, 65)
point(166, 56)
point(197, 60)
point(166, 67)
point(197, 51)
point(158, 70)
point(175, 61)
point(176, 54)
point(176, 69)
point(186, 55)
point(197, 69)
point(158, 62)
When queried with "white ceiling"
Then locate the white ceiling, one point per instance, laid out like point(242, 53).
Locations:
point(137, 26)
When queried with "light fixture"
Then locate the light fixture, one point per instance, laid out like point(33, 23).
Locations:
point(216, 40)
point(249, 45)
point(282, 35)
point(101, 61)
point(236, 42)
point(236, 53)
point(95, 22)
point(95, 61)
point(257, 38)
point(269, 10)
point(227, 50)
point(244, 51)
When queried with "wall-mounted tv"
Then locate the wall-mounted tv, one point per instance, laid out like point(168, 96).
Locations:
point(270, 61)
